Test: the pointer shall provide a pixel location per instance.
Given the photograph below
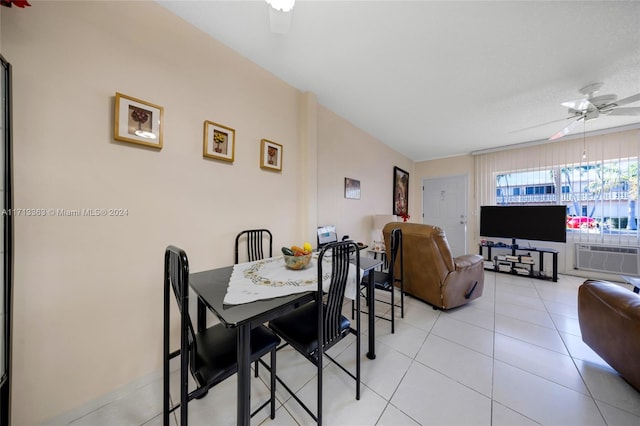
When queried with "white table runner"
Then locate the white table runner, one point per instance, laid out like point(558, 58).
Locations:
point(269, 278)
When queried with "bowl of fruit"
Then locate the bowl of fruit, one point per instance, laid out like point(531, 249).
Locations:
point(297, 257)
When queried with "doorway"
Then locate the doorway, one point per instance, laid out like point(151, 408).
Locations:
point(445, 204)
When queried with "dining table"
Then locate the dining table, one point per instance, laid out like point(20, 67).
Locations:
point(211, 286)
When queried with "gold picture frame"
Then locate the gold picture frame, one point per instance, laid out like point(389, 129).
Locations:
point(219, 142)
point(137, 121)
point(270, 155)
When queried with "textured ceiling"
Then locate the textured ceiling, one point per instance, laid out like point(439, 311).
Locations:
point(437, 79)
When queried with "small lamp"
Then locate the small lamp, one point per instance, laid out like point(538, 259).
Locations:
point(379, 221)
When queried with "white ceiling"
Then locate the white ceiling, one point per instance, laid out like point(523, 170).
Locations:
point(437, 79)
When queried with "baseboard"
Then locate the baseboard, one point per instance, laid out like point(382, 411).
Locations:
point(91, 406)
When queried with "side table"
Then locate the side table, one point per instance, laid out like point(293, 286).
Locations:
point(383, 257)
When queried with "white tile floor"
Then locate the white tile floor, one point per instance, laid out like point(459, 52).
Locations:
point(512, 357)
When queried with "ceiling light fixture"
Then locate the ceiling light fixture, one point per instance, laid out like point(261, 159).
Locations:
point(280, 12)
point(282, 5)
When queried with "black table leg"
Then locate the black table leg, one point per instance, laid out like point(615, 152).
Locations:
point(244, 375)
point(201, 316)
point(372, 316)
point(358, 329)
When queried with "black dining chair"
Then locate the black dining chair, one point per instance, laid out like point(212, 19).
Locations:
point(210, 355)
point(388, 280)
point(256, 241)
point(315, 327)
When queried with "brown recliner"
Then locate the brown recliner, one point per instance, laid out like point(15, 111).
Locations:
point(431, 273)
point(609, 317)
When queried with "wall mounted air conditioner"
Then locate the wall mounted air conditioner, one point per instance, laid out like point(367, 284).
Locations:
point(620, 260)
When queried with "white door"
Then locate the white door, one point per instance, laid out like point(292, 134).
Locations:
point(444, 204)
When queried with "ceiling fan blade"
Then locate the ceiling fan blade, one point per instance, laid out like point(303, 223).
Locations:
point(542, 124)
point(566, 130)
point(629, 100)
point(579, 104)
point(625, 111)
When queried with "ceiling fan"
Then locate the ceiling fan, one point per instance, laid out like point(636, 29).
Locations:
point(591, 107)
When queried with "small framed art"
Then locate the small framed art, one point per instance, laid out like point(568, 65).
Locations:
point(138, 121)
point(351, 188)
point(270, 155)
point(219, 141)
point(400, 192)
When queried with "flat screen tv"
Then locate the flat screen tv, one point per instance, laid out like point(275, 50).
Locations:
point(540, 223)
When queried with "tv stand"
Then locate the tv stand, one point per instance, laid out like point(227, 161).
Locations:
point(519, 263)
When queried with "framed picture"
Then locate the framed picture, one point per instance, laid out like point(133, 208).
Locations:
point(219, 141)
point(138, 121)
point(400, 192)
point(351, 188)
point(270, 155)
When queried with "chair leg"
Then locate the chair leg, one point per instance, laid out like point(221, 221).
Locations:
point(273, 384)
point(319, 412)
point(401, 299)
point(393, 308)
point(358, 329)
point(255, 368)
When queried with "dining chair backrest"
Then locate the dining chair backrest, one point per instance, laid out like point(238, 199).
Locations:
point(342, 254)
point(176, 276)
point(395, 245)
point(255, 241)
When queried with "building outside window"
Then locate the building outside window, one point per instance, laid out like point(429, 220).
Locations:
point(601, 196)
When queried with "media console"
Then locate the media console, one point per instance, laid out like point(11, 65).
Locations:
point(518, 263)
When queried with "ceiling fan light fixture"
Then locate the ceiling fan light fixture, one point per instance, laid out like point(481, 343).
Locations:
point(282, 5)
point(280, 12)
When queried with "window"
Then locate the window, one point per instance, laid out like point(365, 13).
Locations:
point(600, 192)
point(588, 190)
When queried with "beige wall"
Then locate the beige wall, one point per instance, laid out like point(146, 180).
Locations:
point(88, 290)
point(346, 151)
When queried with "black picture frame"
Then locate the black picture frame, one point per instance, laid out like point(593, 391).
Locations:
point(400, 192)
point(351, 188)
point(6, 297)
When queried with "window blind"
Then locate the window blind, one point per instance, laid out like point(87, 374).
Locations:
point(594, 175)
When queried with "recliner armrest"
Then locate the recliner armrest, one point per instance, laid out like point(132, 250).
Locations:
point(467, 261)
point(609, 318)
point(616, 299)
